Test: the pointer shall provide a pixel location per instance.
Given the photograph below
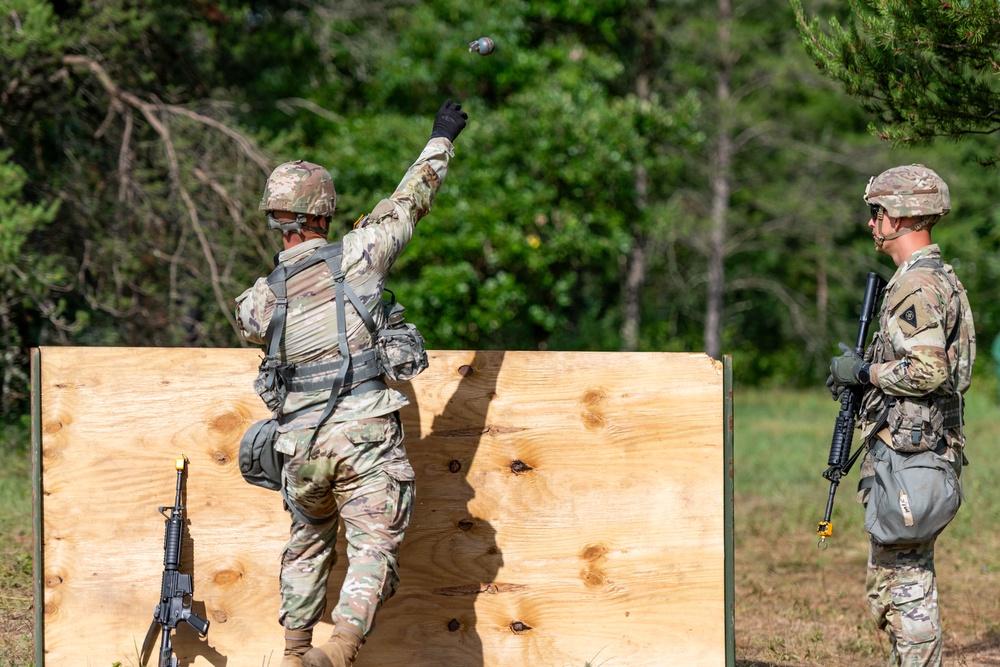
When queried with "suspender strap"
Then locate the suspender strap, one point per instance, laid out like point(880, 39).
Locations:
point(342, 289)
point(349, 292)
point(363, 369)
point(276, 327)
point(277, 281)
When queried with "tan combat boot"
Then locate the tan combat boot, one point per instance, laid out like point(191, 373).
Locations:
point(297, 643)
point(339, 651)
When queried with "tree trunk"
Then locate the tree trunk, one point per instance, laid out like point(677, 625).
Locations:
point(635, 263)
point(721, 176)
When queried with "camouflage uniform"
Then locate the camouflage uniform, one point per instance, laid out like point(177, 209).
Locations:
point(921, 363)
point(357, 468)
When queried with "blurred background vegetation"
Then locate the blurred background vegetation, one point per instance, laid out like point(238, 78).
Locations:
point(636, 174)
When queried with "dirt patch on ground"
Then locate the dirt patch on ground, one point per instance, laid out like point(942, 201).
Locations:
point(799, 607)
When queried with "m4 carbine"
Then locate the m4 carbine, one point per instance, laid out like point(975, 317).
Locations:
point(841, 460)
point(175, 587)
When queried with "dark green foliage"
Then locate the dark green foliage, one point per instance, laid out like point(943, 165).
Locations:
point(922, 69)
point(135, 138)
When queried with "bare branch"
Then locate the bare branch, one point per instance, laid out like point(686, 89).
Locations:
point(287, 105)
point(123, 96)
point(124, 164)
point(234, 213)
point(151, 113)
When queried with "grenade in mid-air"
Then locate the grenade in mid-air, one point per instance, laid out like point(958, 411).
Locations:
point(483, 46)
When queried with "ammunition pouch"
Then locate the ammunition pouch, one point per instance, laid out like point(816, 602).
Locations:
point(919, 424)
point(400, 346)
point(913, 496)
point(269, 384)
point(260, 463)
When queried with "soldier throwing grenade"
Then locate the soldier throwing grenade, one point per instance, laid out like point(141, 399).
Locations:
point(914, 373)
point(343, 453)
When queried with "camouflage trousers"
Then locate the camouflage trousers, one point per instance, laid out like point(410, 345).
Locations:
point(902, 594)
point(356, 472)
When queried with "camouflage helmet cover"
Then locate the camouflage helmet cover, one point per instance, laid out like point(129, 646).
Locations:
point(909, 191)
point(300, 187)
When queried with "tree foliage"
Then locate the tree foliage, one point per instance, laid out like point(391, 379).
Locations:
point(923, 69)
point(590, 204)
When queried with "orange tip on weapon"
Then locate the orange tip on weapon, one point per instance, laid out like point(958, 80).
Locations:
point(179, 463)
point(824, 530)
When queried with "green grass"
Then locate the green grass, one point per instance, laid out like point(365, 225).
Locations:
point(16, 589)
point(781, 444)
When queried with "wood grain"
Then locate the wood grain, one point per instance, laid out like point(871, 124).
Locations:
point(570, 508)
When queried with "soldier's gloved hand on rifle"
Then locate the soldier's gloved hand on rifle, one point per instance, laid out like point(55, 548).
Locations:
point(848, 369)
point(450, 121)
point(835, 389)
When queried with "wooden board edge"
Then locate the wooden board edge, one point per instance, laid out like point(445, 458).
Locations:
point(728, 501)
point(38, 566)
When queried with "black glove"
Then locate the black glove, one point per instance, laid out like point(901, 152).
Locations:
point(450, 121)
point(835, 389)
point(849, 368)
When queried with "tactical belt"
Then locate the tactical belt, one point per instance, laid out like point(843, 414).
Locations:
point(363, 388)
point(315, 376)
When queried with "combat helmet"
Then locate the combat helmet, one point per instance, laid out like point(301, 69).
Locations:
point(909, 191)
point(300, 187)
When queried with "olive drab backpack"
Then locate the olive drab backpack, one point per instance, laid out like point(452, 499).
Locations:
point(397, 354)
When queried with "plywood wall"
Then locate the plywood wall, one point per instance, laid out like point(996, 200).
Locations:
point(570, 509)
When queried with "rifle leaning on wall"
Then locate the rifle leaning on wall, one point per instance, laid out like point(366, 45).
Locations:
point(841, 460)
point(175, 587)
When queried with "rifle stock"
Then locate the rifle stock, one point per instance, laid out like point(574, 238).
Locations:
point(175, 587)
point(841, 460)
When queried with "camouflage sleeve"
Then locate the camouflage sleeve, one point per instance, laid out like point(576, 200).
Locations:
point(914, 325)
point(253, 311)
point(423, 179)
point(383, 234)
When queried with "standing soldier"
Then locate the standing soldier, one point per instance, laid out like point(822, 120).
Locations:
point(915, 372)
point(339, 427)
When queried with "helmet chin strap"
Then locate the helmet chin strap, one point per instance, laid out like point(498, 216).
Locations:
point(881, 238)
